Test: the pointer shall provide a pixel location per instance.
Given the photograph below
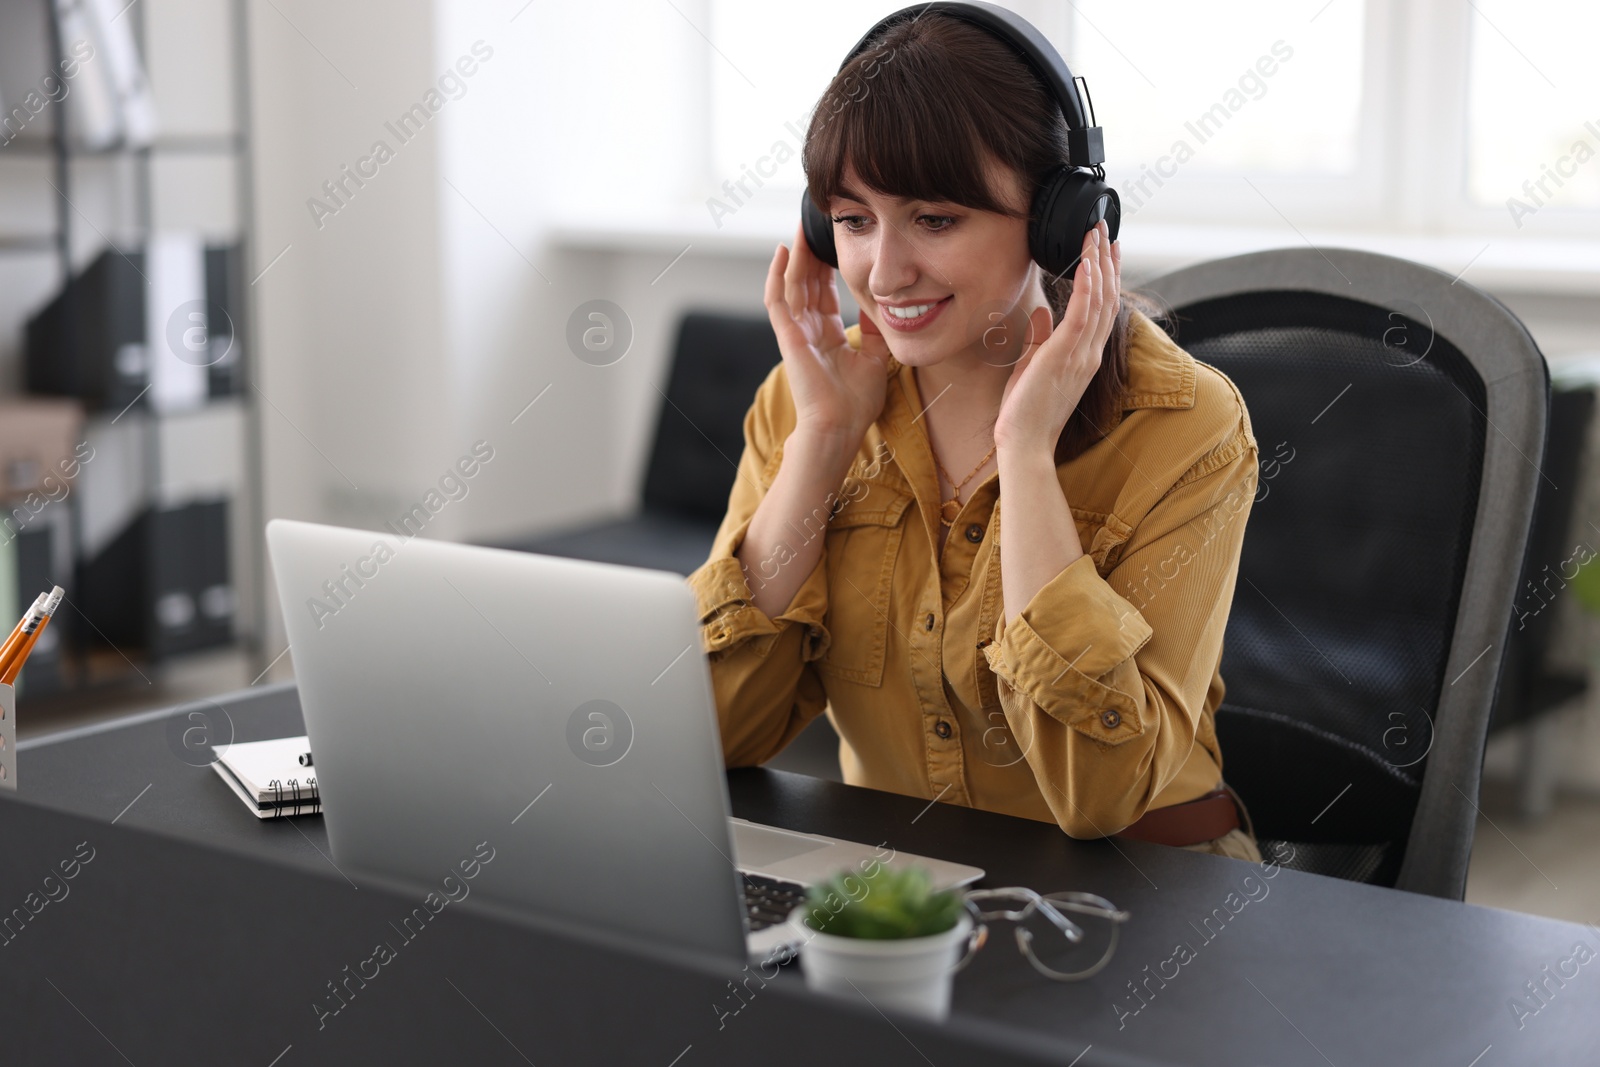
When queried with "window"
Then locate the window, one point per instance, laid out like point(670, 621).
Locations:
point(1405, 116)
point(770, 62)
point(768, 67)
point(1252, 92)
point(1533, 106)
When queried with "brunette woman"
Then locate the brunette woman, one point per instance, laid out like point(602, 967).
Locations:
point(1055, 657)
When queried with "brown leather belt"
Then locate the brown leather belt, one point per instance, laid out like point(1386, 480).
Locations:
point(1201, 819)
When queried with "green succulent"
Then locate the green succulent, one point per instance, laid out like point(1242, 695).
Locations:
point(887, 904)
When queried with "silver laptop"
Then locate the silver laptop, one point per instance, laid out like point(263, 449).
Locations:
point(557, 712)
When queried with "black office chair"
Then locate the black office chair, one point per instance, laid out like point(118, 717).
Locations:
point(720, 361)
point(1406, 412)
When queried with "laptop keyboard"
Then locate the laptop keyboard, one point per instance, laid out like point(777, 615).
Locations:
point(768, 901)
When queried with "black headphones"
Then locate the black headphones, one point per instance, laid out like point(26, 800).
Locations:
point(1072, 198)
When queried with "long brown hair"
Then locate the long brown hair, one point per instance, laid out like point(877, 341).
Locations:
point(917, 113)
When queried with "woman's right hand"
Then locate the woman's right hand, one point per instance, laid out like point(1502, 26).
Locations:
point(838, 391)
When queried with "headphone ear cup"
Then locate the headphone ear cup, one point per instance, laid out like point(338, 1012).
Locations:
point(1066, 207)
point(818, 230)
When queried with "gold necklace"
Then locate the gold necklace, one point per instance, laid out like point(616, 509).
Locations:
point(947, 516)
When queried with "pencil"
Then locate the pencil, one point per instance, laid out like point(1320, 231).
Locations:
point(28, 618)
point(13, 666)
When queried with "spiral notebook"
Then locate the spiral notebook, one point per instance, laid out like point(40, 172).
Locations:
point(268, 777)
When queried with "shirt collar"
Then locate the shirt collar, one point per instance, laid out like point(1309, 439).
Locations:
point(1160, 375)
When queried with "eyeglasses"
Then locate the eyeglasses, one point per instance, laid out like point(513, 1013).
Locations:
point(1050, 906)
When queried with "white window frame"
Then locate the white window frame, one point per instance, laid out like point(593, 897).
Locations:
point(1408, 197)
point(1410, 179)
point(1270, 200)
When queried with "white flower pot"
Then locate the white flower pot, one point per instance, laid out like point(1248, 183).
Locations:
point(911, 974)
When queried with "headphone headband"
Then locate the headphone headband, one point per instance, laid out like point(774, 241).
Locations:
point(1085, 143)
point(1071, 199)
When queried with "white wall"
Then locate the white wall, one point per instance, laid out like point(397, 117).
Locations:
point(553, 128)
point(428, 312)
point(356, 398)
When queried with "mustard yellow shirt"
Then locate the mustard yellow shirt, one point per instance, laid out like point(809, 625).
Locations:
point(1094, 705)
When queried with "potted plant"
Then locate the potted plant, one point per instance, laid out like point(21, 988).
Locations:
point(886, 936)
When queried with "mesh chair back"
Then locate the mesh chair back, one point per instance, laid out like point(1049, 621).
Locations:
point(1371, 459)
point(1385, 476)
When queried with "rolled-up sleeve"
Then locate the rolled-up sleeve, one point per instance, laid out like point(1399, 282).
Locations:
point(763, 672)
point(1104, 678)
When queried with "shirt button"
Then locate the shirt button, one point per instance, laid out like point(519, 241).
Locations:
point(928, 623)
point(1111, 718)
point(941, 728)
point(974, 533)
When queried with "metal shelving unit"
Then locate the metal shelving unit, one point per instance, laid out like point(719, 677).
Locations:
point(245, 501)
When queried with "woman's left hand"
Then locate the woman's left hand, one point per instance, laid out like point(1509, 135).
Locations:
point(1049, 380)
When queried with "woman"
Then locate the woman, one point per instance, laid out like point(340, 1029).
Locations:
point(1076, 683)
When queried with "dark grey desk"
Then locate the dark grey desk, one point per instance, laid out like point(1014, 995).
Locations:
point(1295, 969)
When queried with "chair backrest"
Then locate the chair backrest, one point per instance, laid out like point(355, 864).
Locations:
point(719, 362)
point(1400, 416)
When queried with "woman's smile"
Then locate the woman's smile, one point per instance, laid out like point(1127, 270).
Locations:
point(907, 318)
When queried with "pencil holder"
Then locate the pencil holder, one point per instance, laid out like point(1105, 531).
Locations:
point(8, 737)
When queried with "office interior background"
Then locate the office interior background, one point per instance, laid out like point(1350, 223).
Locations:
point(396, 217)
